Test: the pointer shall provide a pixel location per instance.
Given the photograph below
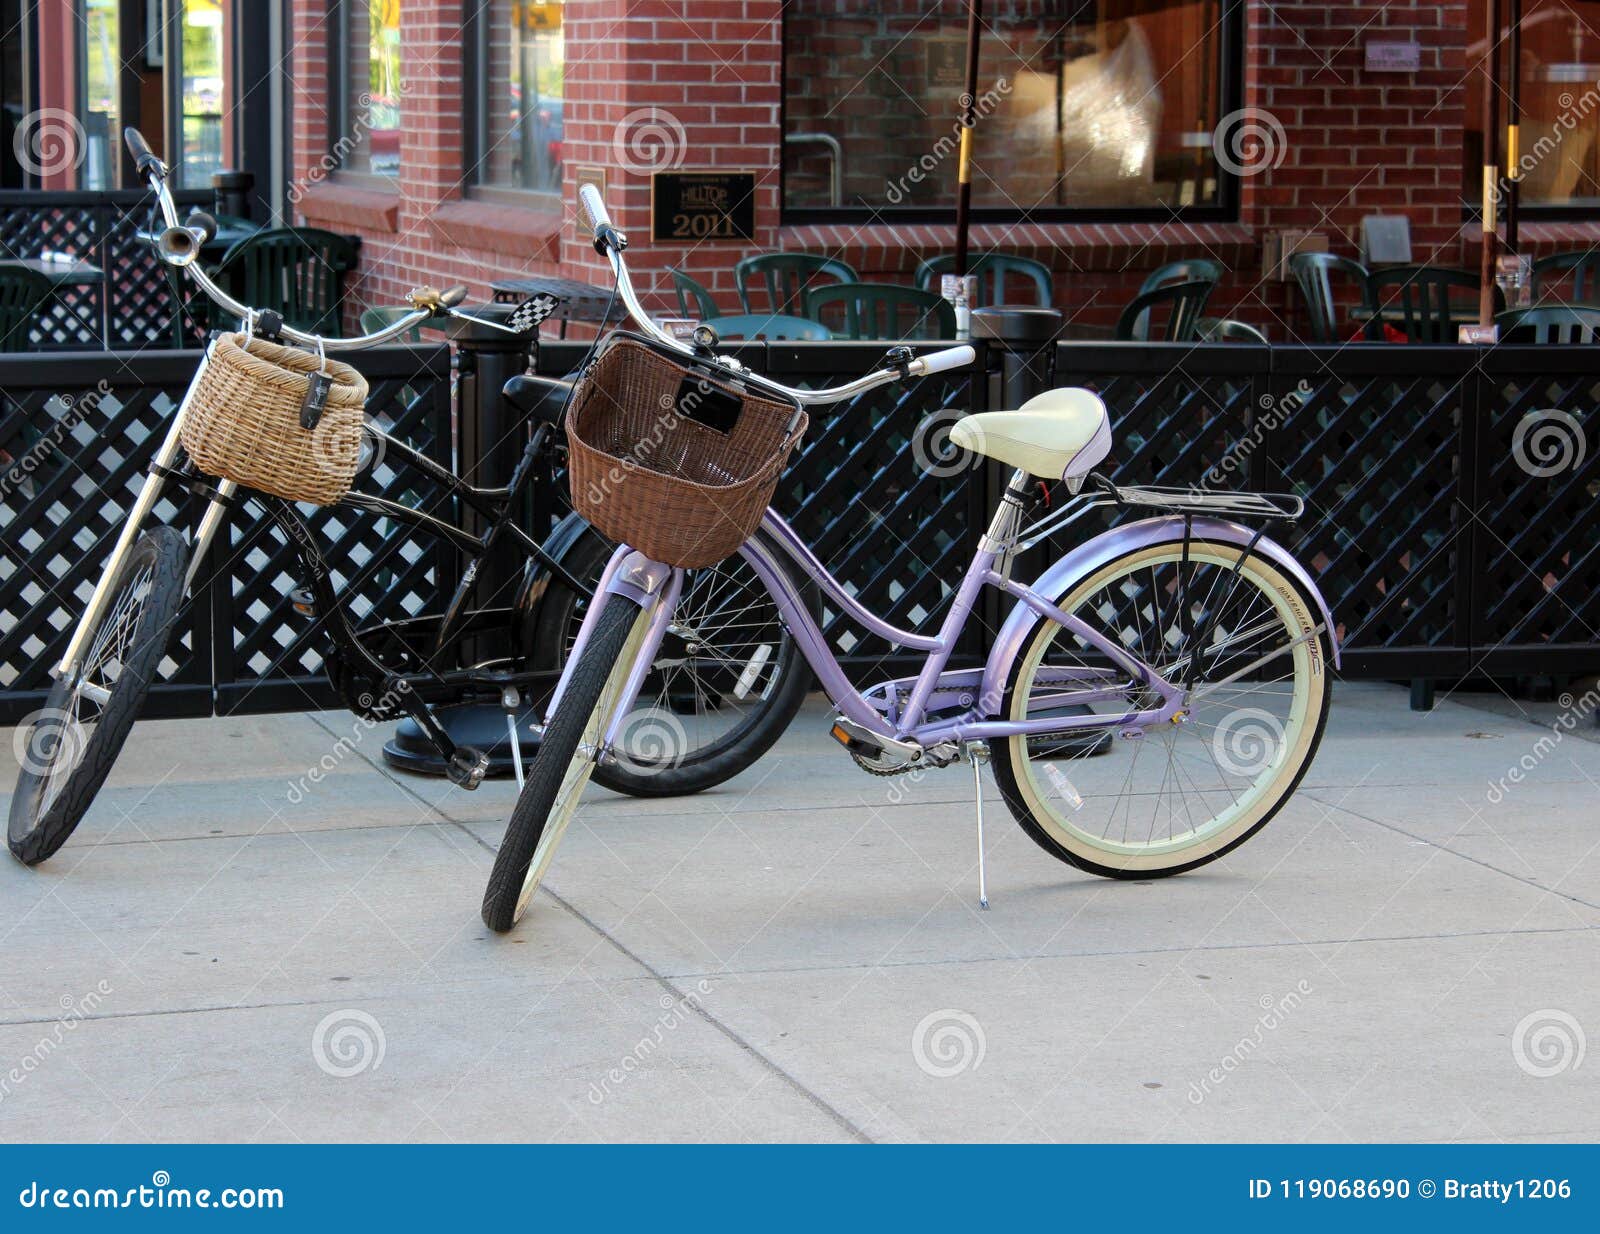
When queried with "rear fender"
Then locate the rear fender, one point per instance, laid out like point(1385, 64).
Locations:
point(1118, 542)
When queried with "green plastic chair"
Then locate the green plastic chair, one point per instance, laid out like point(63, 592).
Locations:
point(1581, 267)
point(1227, 330)
point(1424, 299)
point(1550, 323)
point(991, 270)
point(771, 326)
point(23, 293)
point(375, 319)
point(1185, 302)
point(876, 310)
point(786, 276)
point(1313, 271)
point(1195, 270)
point(705, 308)
point(296, 271)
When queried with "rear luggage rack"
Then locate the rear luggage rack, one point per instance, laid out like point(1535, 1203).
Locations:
point(1191, 501)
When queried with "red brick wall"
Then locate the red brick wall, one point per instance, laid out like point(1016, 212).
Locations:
point(697, 83)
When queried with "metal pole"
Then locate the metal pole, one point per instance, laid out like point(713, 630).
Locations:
point(1491, 164)
point(969, 117)
point(1513, 124)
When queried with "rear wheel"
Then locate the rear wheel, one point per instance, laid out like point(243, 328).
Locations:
point(564, 763)
point(726, 683)
point(1175, 796)
point(67, 747)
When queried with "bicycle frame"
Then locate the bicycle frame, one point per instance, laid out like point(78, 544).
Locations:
point(977, 693)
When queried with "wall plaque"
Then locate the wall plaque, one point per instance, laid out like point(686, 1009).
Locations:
point(689, 206)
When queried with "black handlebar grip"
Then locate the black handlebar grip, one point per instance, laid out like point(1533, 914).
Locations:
point(199, 220)
point(453, 297)
point(143, 157)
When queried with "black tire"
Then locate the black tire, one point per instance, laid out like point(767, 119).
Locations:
point(687, 770)
point(1004, 760)
point(41, 819)
point(550, 795)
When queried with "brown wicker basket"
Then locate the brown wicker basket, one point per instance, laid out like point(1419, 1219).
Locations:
point(671, 458)
point(243, 423)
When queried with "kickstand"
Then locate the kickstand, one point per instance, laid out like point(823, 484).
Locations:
point(977, 755)
point(510, 699)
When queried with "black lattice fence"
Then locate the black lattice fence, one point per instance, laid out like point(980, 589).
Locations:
point(1443, 546)
point(81, 430)
point(1451, 496)
point(133, 305)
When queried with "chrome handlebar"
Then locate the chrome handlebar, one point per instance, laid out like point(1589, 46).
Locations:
point(178, 245)
point(611, 243)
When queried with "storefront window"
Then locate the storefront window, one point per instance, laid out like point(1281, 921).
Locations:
point(1559, 135)
point(1083, 105)
point(102, 64)
point(204, 91)
point(520, 69)
point(370, 142)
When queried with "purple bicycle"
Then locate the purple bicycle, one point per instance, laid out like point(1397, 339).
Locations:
point(1150, 702)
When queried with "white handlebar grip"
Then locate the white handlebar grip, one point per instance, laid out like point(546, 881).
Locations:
point(943, 361)
point(594, 207)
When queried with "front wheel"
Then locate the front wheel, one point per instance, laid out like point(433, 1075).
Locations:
point(68, 746)
point(565, 761)
point(1171, 797)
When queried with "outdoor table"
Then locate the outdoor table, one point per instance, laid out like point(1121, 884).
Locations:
point(1460, 315)
point(578, 301)
point(63, 274)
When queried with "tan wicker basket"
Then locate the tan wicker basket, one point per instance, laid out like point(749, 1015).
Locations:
point(243, 423)
point(671, 459)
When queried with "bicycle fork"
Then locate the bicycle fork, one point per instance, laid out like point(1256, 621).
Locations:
point(155, 482)
point(653, 587)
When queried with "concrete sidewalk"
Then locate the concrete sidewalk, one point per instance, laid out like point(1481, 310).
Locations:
point(1407, 952)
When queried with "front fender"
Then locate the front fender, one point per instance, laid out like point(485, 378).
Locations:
point(1118, 542)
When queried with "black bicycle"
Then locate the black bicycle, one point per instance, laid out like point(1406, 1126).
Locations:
point(725, 685)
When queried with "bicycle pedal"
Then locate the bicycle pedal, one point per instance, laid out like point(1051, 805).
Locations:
point(303, 602)
point(467, 767)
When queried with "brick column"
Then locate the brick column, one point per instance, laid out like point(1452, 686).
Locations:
point(662, 85)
